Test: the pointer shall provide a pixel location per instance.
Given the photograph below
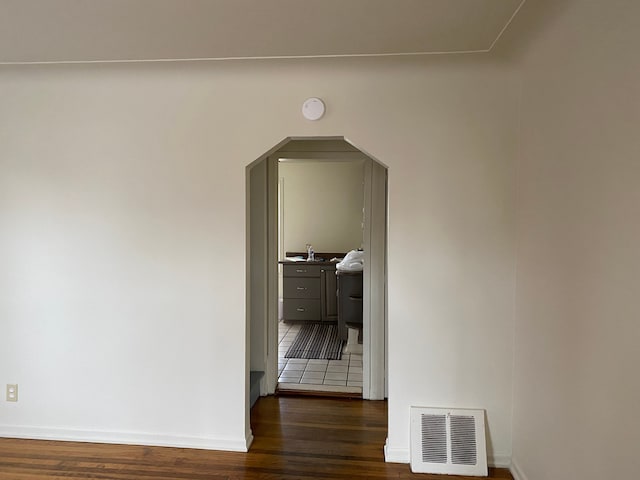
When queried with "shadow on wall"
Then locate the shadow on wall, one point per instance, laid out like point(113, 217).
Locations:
point(527, 25)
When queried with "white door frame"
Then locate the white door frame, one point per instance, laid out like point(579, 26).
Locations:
point(271, 373)
point(374, 293)
point(374, 276)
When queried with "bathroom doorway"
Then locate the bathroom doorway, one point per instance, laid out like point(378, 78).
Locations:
point(264, 251)
point(321, 221)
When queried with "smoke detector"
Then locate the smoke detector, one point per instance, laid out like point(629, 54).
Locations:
point(313, 108)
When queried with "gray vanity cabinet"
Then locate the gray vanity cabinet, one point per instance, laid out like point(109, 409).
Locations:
point(309, 292)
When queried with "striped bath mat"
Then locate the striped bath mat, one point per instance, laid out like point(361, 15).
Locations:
point(316, 340)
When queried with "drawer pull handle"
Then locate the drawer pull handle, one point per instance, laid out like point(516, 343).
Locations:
point(301, 288)
point(300, 309)
point(301, 271)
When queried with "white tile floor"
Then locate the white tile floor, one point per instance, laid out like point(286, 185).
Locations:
point(344, 375)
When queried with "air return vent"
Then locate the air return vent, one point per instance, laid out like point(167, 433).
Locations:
point(450, 441)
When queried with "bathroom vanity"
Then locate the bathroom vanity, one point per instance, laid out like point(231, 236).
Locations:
point(309, 291)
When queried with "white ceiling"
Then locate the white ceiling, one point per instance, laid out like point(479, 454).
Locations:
point(118, 30)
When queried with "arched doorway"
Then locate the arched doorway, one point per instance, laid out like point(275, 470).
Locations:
point(263, 253)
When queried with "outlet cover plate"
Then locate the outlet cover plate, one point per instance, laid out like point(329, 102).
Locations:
point(12, 392)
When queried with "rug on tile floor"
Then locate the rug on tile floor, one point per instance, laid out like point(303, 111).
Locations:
point(317, 341)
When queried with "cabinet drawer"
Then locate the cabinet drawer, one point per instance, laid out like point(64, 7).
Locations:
point(301, 270)
point(301, 309)
point(301, 287)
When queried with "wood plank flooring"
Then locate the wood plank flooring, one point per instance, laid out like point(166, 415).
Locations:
point(295, 438)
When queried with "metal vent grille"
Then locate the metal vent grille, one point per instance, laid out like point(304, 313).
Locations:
point(434, 438)
point(463, 440)
point(450, 441)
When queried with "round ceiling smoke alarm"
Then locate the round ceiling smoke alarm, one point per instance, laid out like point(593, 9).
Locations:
point(313, 108)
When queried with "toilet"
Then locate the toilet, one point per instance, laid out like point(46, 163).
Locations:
point(353, 345)
point(350, 273)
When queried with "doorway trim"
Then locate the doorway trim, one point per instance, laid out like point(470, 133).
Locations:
point(375, 278)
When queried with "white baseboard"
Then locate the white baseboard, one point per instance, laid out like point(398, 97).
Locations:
point(248, 441)
point(402, 455)
point(499, 461)
point(395, 455)
point(126, 438)
point(516, 471)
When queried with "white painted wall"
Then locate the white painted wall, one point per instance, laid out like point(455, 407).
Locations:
point(451, 255)
point(577, 337)
point(322, 205)
point(122, 241)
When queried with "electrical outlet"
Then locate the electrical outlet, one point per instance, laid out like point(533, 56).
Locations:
point(12, 392)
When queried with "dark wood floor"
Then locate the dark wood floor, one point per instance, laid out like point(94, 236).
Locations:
point(295, 438)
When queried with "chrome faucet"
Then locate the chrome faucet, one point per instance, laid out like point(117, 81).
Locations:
point(310, 253)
